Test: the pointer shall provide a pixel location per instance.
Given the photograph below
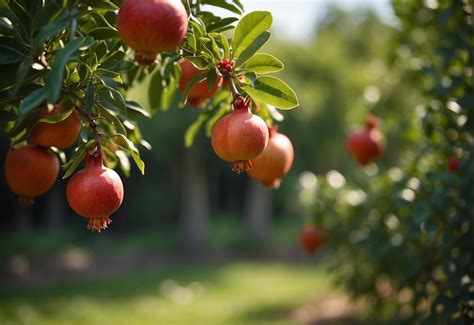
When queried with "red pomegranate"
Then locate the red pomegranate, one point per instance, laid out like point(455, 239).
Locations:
point(60, 135)
point(200, 91)
point(95, 193)
point(453, 163)
point(311, 238)
point(239, 136)
point(152, 26)
point(30, 171)
point(275, 161)
point(366, 144)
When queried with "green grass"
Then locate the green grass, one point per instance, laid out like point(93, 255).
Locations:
point(234, 293)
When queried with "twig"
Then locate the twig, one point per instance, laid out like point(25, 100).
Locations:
point(92, 123)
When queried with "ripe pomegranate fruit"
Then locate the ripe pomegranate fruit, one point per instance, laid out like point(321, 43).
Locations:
point(30, 171)
point(95, 193)
point(240, 136)
point(200, 91)
point(311, 238)
point(275, 161)
point(152, 26)
point(366, 144)
point(453, 163)
point(60, 135)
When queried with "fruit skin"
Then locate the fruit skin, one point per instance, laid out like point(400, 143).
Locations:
point(200, 91)
point(30, 171)
point(239, 137)
point(311, 238)
point(453, 163)
point(95, 193)
point(366, 144)
point(152, 26)
point(60, 135)
point(274, 162)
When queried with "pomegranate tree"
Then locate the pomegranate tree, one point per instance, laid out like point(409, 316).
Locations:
point(70, 76)
point(366, 144)
point(275, 161)
point(30, 171)
point(239, 136)
point(95, 193)
point(62, 134)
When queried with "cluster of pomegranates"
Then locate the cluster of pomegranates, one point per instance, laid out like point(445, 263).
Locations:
point(31, 170)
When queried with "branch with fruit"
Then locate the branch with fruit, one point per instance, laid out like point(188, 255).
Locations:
point(66, 69)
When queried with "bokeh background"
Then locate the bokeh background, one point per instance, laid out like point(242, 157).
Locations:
point(193, 242)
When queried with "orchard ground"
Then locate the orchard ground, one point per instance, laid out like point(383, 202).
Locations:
point(145, 278)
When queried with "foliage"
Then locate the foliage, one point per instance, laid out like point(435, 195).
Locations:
point(403, 237)
point(69, 52)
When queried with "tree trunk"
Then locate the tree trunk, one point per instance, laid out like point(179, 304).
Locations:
point(258, 210)
point(195, 200)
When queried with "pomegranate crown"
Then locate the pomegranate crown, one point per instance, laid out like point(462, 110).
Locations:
point(241, 104)
point(94, 160)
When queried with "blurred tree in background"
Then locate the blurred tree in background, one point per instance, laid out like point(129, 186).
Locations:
point(403, 237)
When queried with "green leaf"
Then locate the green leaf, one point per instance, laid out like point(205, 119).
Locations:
point(23, 69)
point(137, 108)
point(199, 62)
point(112, 118)
point(77, 158)
point(216, 117)
point(55, 78)
point(192, 82)
point(224, 5)
point(6, 116)
point(193, 130)
point(33, 100)
point(125, 143)
point(263, 63)
point(90, 97)
point(51, 119)
point(273, 91)
point(49, 30)
point(253, 48)
point(250, 27)
point(155, 90)
point(104, 33)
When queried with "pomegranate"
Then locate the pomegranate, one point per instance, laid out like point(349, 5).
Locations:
point(240, 136)
point(95, 193)
point(275, 161)
point(200, 91)
point(366, 144)
point(311, 238)
point(152, 26)
point(453, 163)
point(60, 135)
point(30, 171)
